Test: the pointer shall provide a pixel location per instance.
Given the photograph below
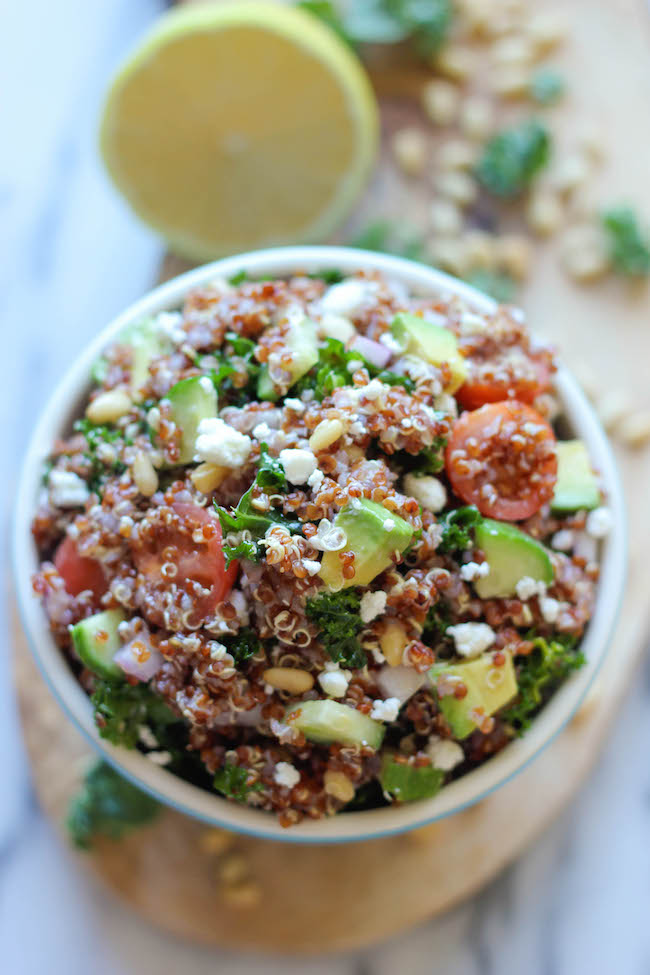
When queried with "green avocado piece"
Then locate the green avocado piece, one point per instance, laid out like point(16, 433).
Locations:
point(192, 400)
point(576, 487)
point(407, 783)
point(478, 677)
point(302, 343)
point(432, 342)
point(96, 641)
point(147, 343)
point(511, 555)
point(368, 537)
point(328, 721)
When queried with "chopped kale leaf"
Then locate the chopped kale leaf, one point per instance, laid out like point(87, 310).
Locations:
point(337, 615)
point(232, 781)
point(457, 529)
point(243, 646)
point(96, 435)
point(629, 247)
point(513, 157)
point(122, 708)
point(539, 674)
point(108, 805)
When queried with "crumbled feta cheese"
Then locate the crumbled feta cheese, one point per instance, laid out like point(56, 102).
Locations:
point(159, 758)
point(169, 324)
point(221, 444)
point(389, 340)
point(296, 405)
point(316, 479)
point(585, 547)
point(429, 491)
point(473, 324)
point(67, 489)
point(471, 638)
point(550, 609)
point(526, 588)
point(563, 540)
point(347, 296)
point(385, 710)
point(299, 464)
point(389, 524)
point(262, 431)
point(372, 604)
point(333, 326)
point(474, 570)
point(286, 775)
point(147, 737)
point(206, 384)
point(444, 753)
point(357, 429)
point(334, 683)
point(107, 453)
point(373, 390)
point(599, 522)
point(312, 566)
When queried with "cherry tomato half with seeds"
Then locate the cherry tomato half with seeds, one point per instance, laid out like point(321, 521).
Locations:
point(78, 572)
point(493, 381)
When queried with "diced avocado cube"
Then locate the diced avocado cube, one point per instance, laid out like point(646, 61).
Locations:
point(576, 487)
point(432, 342)
point(302, 345)
point(373, 533)
point(407, 783)
point(325, 722)
point(96, 641)
point(489, 687)
point(511, 555)
point(192, 400)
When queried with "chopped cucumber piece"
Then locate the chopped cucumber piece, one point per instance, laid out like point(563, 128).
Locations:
point(192, 400)
point(407, 783)
point(488, 687)
point(96, 641)
point(147, 343)
point(325, 722)
point(511, 555)
point(302, 345)
point(576, 487)
point(373, 533)
point(432, 342)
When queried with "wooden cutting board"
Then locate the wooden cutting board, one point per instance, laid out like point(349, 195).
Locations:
point(325, 899)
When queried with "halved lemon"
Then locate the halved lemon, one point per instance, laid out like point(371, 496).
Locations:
point(240, 125)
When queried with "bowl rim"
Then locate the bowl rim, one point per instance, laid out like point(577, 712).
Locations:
point(169, 789)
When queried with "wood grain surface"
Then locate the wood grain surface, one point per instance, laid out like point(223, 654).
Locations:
point(325, 899)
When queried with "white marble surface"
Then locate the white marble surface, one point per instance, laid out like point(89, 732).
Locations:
point(70, 256)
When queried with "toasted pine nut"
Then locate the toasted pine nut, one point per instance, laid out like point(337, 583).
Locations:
point(634, 430)
point(480, 249)
point(450, 254)
point(613, 408)
point(291, 679)
point(109, 406)
point(456, 154)
point(457, 186)
point(245, 895)
point(511, 82)
point(584, 252)
point(446, 218)
point(393, 642)
point(325, 434)
point(144, 474)
point(440, 101)
point(570, 173)
point(410, 150)
point(476, 118)
point(544, 212)
point(546, 30)
point(513, 254)
point(456, 61)
point(207, 477)
point(233, 869)
point(338, 785)
point(514, 49)
point(216, 841)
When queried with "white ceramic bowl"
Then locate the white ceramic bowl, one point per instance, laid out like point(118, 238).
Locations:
point(65, 406)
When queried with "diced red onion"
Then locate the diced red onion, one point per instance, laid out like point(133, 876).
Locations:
point(245, 719)
point(139, 660)
point(400, 682)
point(373, 352)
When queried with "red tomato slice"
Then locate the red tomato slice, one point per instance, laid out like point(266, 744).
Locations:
point(492, 381)
point(172, 540)
point(79, 573)
point(502, 458)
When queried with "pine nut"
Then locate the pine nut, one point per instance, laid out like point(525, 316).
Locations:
point(634, 429)
point(325, 434)
point(480, 249)
point(291, 679)
point(233, 869)
point(584, 252)
point(457, 186)
point(446, 218)
point(207, 477)
point(244, 895)
point(512, 50)
point(476, 118)
point(450, 254)
point(393, 641)
point(612, 408)
point(456, 154)
point(440, 100)
point(144, 474)
point(109, 406)
point(514, 255)
point(544, 212)
point(456, 61)
point(510, 82)
point(570, 173)
point(338, 785)
point(216, 841)
point(410, 151)
point(546, 30)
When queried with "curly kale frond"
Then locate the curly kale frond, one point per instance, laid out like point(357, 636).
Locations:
point(122, 708)
point(243, 646)
point(337, 616)
point(513, 157)
point(232, 782)
point(107, 805)
point(629, 247)
point(539, 674)
point(97, 435)
point(457, 529)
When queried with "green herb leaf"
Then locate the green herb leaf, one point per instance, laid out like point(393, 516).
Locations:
point(270, 473)
point(497, 284)
point(243, 646)
point(337, 615)
point(99, 470)
point(108, 805)
point(122, 708)
point(513, 157)
point(329, 276)
point(331, 371)
point(232, 781)
point(629, 247)
point(539, 674)
point(457, 529)
point(547, 86)
point(238, 278)
point(389, 237)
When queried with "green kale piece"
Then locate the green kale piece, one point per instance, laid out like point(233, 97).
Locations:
point(547, 86)
point(238, 278)
point(512, 157)
point(122, 708)
point(243, 646)
point(241, 348)
point(425, 22)
point(329, 276)
point(629, 247)
point(97, 434)
point(107, 805)
point(337, 616)
point(457, 529)
point(331, 371)
point(437, 622)
point(499, 285)
point(539, 674)
point(232, 781)
point(270, 472)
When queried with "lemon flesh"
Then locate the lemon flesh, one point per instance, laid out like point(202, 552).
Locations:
point(238, 126)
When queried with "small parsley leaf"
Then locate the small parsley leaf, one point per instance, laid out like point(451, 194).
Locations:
point(232, 782)
point(512, 157)
point(457, 529)
point(629, 247)
point(540, 673)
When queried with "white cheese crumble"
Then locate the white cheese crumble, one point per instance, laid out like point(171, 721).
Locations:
point(389, 524)
point(385, 710)
point(299, 464)
point(473, 324)
point(286, 774)
point(221, 444)
point(347, 296)
point(389, 340)
point(471, 638)
point(372, 605)
point(526, 588)
point(429, 491)
point(262, 431)
point(444, 753)
point(563, 540)
point(296, 405)
point(334, 683)
point(312, 566)
point(474, 570)
point(315, 480)
point(550, 609)
point(599, 522)
point(333, 326)
point(67, 489)
point(206, 384)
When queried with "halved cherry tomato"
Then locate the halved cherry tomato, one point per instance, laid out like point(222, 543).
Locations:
point(173, 540)
point(79, 573)
point(511, 377)
point(502, 458)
